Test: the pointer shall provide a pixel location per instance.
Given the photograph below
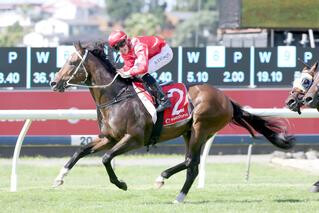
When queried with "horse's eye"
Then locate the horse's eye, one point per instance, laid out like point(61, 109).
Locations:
point(306, 83)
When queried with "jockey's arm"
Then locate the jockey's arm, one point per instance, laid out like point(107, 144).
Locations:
point(141, 63)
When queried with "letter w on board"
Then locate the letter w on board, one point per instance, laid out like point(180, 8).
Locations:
point(193, 57)
point(264, 57)
point(43, 57)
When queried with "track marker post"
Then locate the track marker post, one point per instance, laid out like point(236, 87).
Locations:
point(14, 177)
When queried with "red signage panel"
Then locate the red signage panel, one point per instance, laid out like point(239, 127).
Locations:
point(255, 98)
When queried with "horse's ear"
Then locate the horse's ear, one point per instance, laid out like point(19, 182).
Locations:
point(78, 47)
point(315, 66)
point(306, 66)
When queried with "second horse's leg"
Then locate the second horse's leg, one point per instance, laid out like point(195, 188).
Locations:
point(96, 145)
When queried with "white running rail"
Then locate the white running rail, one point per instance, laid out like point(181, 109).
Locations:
point(65, 114)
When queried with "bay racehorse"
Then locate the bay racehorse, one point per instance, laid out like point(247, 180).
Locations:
point(125, 124)
point(305, 93)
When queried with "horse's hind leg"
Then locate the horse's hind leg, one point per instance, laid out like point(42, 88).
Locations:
point(159, 182)
point(191, 174)
point(95, 146)
point(315, 187)
point(191, 163)
point(196, 141)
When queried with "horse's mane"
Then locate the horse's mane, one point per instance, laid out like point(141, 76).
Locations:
point(97, 49)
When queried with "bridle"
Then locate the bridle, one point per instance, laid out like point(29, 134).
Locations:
point(315, 83)
point(118, 98)
point(86, 74)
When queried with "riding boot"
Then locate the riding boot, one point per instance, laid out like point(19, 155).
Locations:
point(162, 101)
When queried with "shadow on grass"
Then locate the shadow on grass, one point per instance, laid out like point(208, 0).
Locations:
point(223, 201)
point(207, 202)
point(292, 201)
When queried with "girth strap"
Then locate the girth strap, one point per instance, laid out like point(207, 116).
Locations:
point(157, 130)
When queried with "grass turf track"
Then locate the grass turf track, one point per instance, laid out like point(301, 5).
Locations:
point(87, 189)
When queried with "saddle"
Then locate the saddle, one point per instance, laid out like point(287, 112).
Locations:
point(179, 112)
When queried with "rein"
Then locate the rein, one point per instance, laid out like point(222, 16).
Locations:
point(118, 98)
point(87, 74)
point(95, 86)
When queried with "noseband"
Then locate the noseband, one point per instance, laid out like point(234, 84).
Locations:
point(77, 69)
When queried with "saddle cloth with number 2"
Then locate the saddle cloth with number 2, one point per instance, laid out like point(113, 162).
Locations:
point(177, 93)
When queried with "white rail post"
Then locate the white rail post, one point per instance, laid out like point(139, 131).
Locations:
point(201, 174)
point(248, 161)
point(14, 178)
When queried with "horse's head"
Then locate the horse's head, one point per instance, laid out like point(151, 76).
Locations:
point(311, 98)
point(73, 71)
point(300, 86)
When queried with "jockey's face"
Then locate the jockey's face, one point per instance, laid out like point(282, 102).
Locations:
point(124, 49)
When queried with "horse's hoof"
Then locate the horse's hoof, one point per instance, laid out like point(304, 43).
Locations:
point(177, 202)
point(122, 185)
point(180, 198)
point(159, 182)
point(314, 189)
point(159, 185)
point(57, 183)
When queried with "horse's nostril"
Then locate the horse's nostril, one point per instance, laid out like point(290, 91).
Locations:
point(52, 83)
point(291, 102)
point(308, 100)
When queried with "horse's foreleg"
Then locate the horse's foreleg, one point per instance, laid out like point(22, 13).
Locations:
point(126, 144)
point(96, 145)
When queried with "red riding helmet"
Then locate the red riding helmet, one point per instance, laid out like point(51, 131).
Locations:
point(115, 37)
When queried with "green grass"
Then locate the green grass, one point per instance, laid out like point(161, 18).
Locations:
point(87, 189)
point(280, 13)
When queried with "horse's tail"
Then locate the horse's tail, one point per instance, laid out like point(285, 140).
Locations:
point(269, 127)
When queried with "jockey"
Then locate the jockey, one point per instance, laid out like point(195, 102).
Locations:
point(143, 55)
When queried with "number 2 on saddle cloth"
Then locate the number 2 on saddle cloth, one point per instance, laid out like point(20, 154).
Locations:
point(177, 93)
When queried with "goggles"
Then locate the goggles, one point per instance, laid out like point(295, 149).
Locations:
point(119, 45)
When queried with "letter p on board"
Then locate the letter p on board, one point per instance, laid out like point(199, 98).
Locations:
point(12, 56)
point(237, 56)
